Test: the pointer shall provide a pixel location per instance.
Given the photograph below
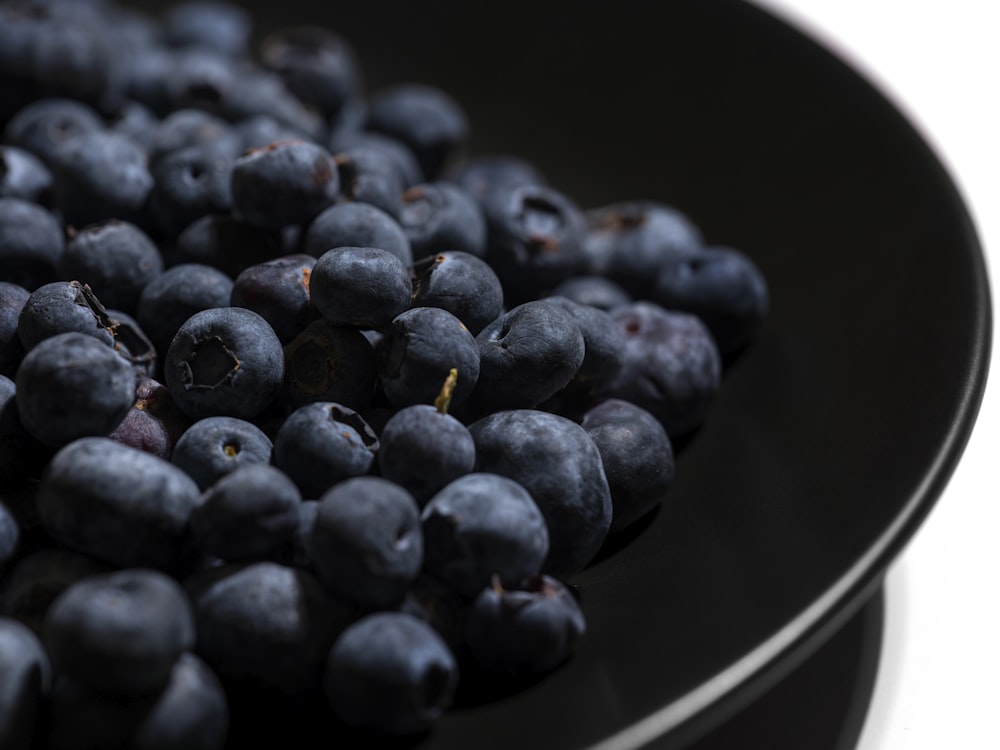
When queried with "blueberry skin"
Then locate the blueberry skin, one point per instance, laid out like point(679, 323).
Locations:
point(279, 291)
point(527, 355)
point(326, 362)
point(259, 130)
point(672, 366)
point(297, 552)
point(722, 286)
point(70, 386)
point(249, 514)
point(323, 443)
point(63, 307)
point(603, 344)
point(417, 353)
point(23, 175)
point(460, 283)
point(120, 632)
point(638, 458)
point(356, 225)
point(190, 713)
point(42, 125)
point(100, 175)
point(31, 243)
point(266, 624)
point(154, 423)
point(186, 128)
point(115, 258)
point(628, 241)
point(426, 118)
point(27, 676)
point(12, 299)
point(528, 629)
point(348, 137)
point(366, 543)
point(225, 361)
point(218, 26)
point(555, 460)
point(10, 536)
point(37, 579)
point(423, 449)
point(483, 525)
point(283, 183)
point(117, 504)
point(390, 673)
point(21, 455)
point(534, 239)
point(441, 216)
point(213, 447)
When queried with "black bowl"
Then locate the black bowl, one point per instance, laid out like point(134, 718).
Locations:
point(838, 427)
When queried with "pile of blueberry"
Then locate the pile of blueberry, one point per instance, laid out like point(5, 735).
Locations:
point(300, 399)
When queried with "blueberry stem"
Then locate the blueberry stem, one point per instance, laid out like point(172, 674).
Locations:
point(443, 400)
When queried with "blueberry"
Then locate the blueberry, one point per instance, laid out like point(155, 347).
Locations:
point(213, 447)
point(722, 286)
point(190, 713)
point(154, 423)
point(23, 175)
point(365, 287)
point(266, 624)
point(188, 128)
point(31, 243)
point(41, 126)
point(117, 504)
point(628, 241)
point(249, 514)
point(225, 361)
point(70, 386)
point(10, 535)
point(279, 291)
point(318, 66)
point(63, 307)
point(483, 525)
point(638, 458)
point(481, 176)
point(426, 118)
point(220, 241)
point(349, 138)
point(527, 355)
point(39, 577)
point(596, 291)
point(460, 283)
point(100, 175)
point(259, 130)
point(321, 444)
point(189, 183)
point(12, 299)
point(21, 455)
point(136, 122)
point(603, 345)
point(356, 225)
point(120, 632)
point(423, 448)
point(219, 26)
point(527, 629)
point(441, 216)
point(27, 677)
point(283, 183)
point(370, 175)
point(534, 239)
point(173, 296)
point(367, 546)
point(418, 352)
point(325, 362)
point(560, 466)
point(390, 673)
point(672, 366)
point(115, 258)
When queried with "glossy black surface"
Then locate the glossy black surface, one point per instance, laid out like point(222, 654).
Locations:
point(835, 432)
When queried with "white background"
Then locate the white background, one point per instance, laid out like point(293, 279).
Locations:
point(938, 686)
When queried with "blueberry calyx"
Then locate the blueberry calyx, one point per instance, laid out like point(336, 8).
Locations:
point(212, 364)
